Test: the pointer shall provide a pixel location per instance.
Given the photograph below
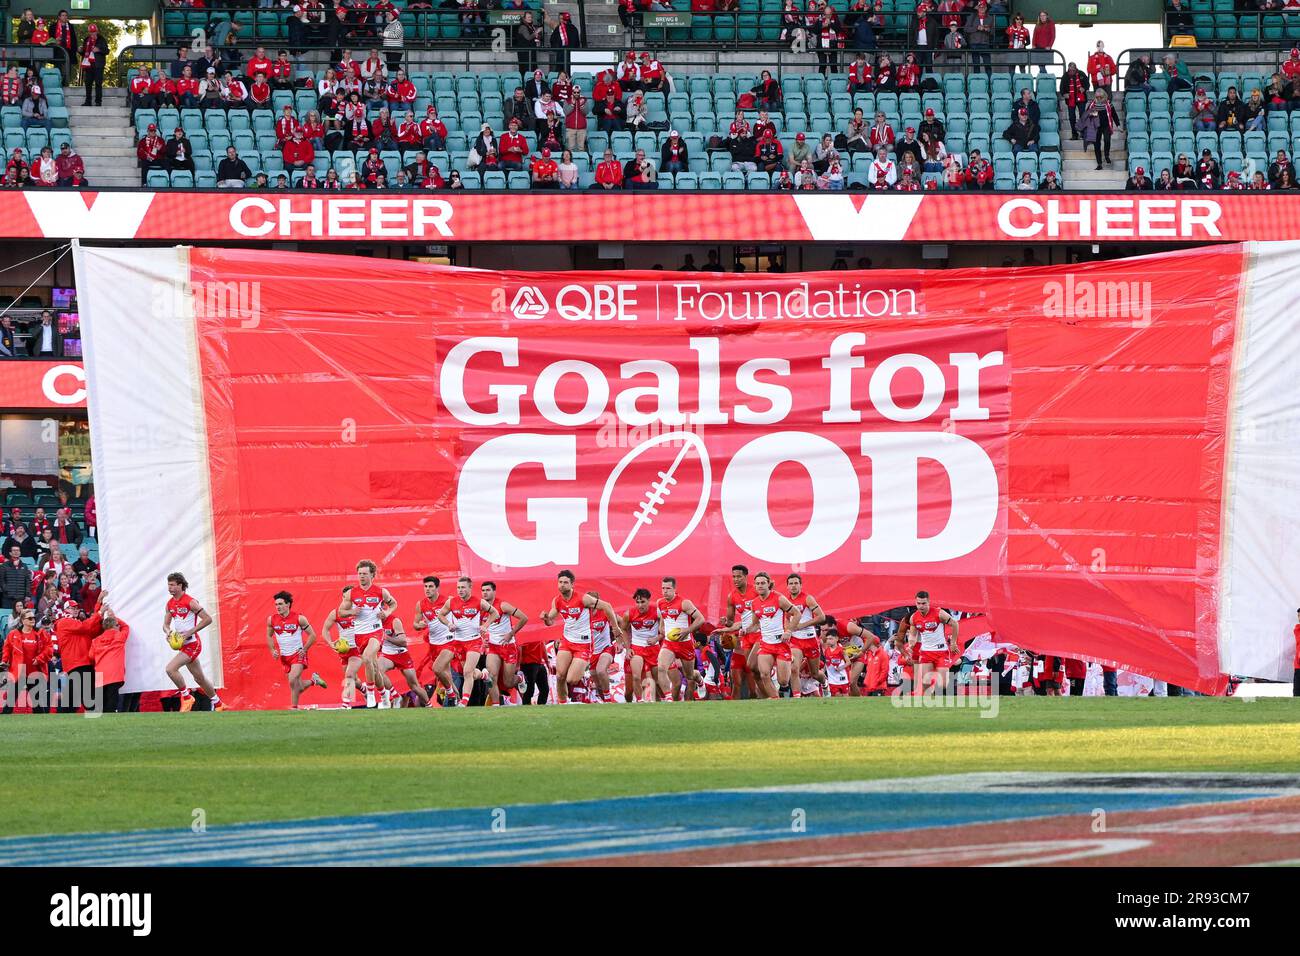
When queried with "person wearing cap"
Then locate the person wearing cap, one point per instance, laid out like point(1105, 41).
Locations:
point(69, 164)
point(909, 145)
point(768, 154)
point(628, 73)
point(432, 130)
point(545, 171)
point(798, 152)
point(931, 129)
point(1234, 182)
point(610, 113)
point(513, 147)
point(36, 110)
point(1139, 181)
point(210, 90)
point(1207, 171)
point(1027, 103)
point(1291, 65)
point(179, 152)
point(149, 153)
point(393, 37)
point(606, 83)
point(979, 173)
point(486, 142)
point(1052, 182)
point(564, 38)
point(298, 153)
point(673, 156)
point(94, 53)
point(1203, 112)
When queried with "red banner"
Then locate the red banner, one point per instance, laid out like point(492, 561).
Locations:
point(234, 216)
point(1049, 451)
point(43, 385)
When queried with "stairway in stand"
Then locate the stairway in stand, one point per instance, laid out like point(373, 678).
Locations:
point(104, 137)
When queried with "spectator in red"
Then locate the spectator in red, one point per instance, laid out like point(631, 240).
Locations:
point(673, 157)
point(1044, 38)
point(64, 35)
point(234, 93)
point(281, 75)
point(94, 53)
point(259, 62)
point(606, 83)
point(108, 655)
point(431, 180)
point(163, 89)
point(610, 115)
point(513, 147)
point(979, 173)
point(72, 172)
point(651, 75)
point(1073, 89)
point(408, 132)
point(187, 88)
point(909, 73)
point(401, 92)
point(92, 526)
point(285, 125)
point(357, 125)
point(1076, 672)
point(1018, 37)
point(860, 75)
point(882, 134)
point(44, 171)
point(383, 131)
point(768, 154)
point(313, 130)
point(1291, 66)
point(545, 171)
point(27, 654)
point(141, 95)
point(259, 94)
point(876, 660)
point(180, 154)
point(75, 632)
point(562, 90)
point(1101, 69)
point(609, 172)
point(372, 169)
point(883, 172)
point(90, 591)
point(433, 131)
point(627, 73)
point(149, 155)
point(298, 152)
point(575, 122)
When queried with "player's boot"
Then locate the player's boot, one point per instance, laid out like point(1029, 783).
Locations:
point(187, 702)
point(385, 699)
point(369, 691)
point(217, 704)
point(318, 680)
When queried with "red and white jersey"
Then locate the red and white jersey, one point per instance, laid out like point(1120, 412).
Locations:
point(930, 630)
point(466, 617)
point(771, 619)
point(347, 630)
point(438, 632)
point(644, 627)
point(576, 618)
point(499, 630)
point(184, 615)
point(367, 605)
point(287, 632)
point(600, 639)
point(674, 618)
point(744, 605)
point(388, 646)
point(805, 615)
point(837, 666)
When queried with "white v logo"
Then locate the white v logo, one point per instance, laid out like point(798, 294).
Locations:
point(63, 214)
point(881, 218)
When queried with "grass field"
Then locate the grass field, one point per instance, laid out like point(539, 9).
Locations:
point(151, 770)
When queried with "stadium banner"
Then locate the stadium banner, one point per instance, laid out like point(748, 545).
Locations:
point(43, 385)
point(627, 216)
point(1048, 447)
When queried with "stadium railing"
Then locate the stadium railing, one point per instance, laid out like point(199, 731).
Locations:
point(1216, 23)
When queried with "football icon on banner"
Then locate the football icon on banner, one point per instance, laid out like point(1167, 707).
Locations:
point(660, 485)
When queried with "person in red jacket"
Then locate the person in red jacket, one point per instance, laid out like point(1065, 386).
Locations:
point(163, 89)
point(149, 153)
point(281, 75)
point(408, 132)
point(259, 62)
point(75, 633)
point(26, 660)
point(433, 131)
point(1101, 69)
point(1076, 672)
point(1044, 38)
point(513, 147)
point(298, 153)
point(979, 172)
point(401, 92)
point(141, 98)
point(108, 655)
point(285, 126)
point(187, 88)
point(1291, 66)
point(609, 172)
point(259, 93)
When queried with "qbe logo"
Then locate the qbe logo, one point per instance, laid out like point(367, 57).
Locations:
point(529, 303)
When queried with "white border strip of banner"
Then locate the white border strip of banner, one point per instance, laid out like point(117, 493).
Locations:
point(149, 445)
